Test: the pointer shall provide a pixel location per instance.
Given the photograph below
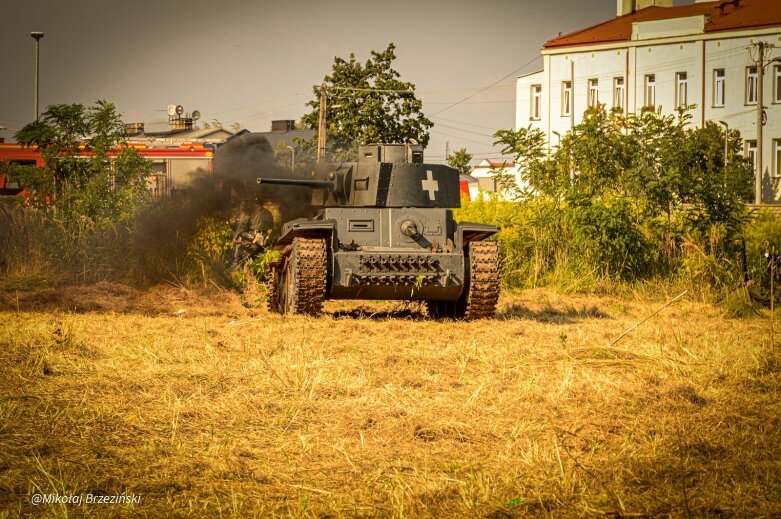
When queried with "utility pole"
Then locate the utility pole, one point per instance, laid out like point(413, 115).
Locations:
point(37, 36)
point(759, 62)
point(760, 100)
point(321, 126)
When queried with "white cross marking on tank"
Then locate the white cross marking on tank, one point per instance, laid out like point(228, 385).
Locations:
point(430, 185)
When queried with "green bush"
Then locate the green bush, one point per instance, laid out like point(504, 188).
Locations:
point(762, 233)
point(207, 251)
point(607, 233)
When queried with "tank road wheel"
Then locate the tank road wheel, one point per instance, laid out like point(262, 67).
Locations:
point(297, 283)
point(481, 290)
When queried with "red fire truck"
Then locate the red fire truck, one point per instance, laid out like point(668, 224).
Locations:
point(174, 166)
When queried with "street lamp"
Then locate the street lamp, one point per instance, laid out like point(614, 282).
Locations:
point(726, 140)
point(292, 157)
point(557, 134)
point(37, 36)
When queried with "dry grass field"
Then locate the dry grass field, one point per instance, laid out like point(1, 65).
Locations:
point(203, 407)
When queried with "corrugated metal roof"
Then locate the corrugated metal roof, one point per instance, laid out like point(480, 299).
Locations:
point(727, 15)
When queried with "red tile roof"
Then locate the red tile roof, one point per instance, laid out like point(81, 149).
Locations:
point(726, 15)
point(495, 164)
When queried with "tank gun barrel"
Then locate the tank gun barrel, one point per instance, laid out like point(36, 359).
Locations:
point(312, 184)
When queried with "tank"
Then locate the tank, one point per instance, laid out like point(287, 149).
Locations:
point(384, 230)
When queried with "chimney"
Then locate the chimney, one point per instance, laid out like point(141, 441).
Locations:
point(625, 7)
point(182, 123)
point(284, 125)
point(134, 129)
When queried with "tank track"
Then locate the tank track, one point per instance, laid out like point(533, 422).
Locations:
point(484, 276)
point(271, 288)
point(306, 261)
point(478, 301)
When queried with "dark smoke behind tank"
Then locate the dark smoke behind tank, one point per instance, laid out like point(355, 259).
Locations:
point(241, 161)
point(166, 228)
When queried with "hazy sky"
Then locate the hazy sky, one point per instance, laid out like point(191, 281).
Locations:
point(254, 61)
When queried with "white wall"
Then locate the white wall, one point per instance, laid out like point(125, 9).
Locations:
point(663, 58)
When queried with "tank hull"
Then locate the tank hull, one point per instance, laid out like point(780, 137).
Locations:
point(386, 232)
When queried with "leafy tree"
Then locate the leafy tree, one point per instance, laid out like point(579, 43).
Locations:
point(716, 192)
point(527, 146)
point(593, 154)
point(282, 154)
point(627, 191)
point(657, 156)
point(88, 170)
point(374, 105)
point(460, 160)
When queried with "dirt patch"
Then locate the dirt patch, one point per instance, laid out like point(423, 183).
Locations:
point(114, 297)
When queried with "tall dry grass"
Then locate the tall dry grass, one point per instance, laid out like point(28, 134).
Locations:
point(206, 408)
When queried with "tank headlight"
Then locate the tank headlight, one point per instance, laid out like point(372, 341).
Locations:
point(409, 228)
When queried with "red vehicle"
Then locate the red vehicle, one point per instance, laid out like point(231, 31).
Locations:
point(15, 154)
point(174, 166)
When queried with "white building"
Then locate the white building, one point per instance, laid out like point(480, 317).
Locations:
point(486, 172)
point(654, 54)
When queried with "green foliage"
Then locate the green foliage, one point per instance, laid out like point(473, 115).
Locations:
point(607, 233)
point(263, 262)
point(208, 248)
point(89, 172)
point(460, 160)
point(762, 234)
point(527, 145)
point(624, 198)
point(374, 105)
point(596, 154)
point(282, 155)
point(79, 214)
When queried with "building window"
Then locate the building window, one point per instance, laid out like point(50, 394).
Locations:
point(777, 157)
point(777, 84)
point(618, 93)
point(536, 102)
point(593, 92)
point(751, 85)
point(649, 100)
point(681, 89)
point(751, 154)
point(566, 98)
point(718, 87)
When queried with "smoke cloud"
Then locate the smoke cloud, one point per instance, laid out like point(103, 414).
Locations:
point(166, 228)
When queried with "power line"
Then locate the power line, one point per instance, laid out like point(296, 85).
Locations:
point(464, 122)
point(462, 130)
point(489, 86)
point(474, 103)
point(461, 137)
point(383, 90)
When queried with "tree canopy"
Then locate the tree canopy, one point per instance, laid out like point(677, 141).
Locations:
point(366, 102)
point(615, 182)
point(88, 170)
point(460, 160)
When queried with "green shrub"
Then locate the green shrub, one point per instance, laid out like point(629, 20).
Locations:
point(607, 232)
point(762, 232)
point(207, 252)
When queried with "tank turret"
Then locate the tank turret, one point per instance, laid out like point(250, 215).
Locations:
point(385, 231)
